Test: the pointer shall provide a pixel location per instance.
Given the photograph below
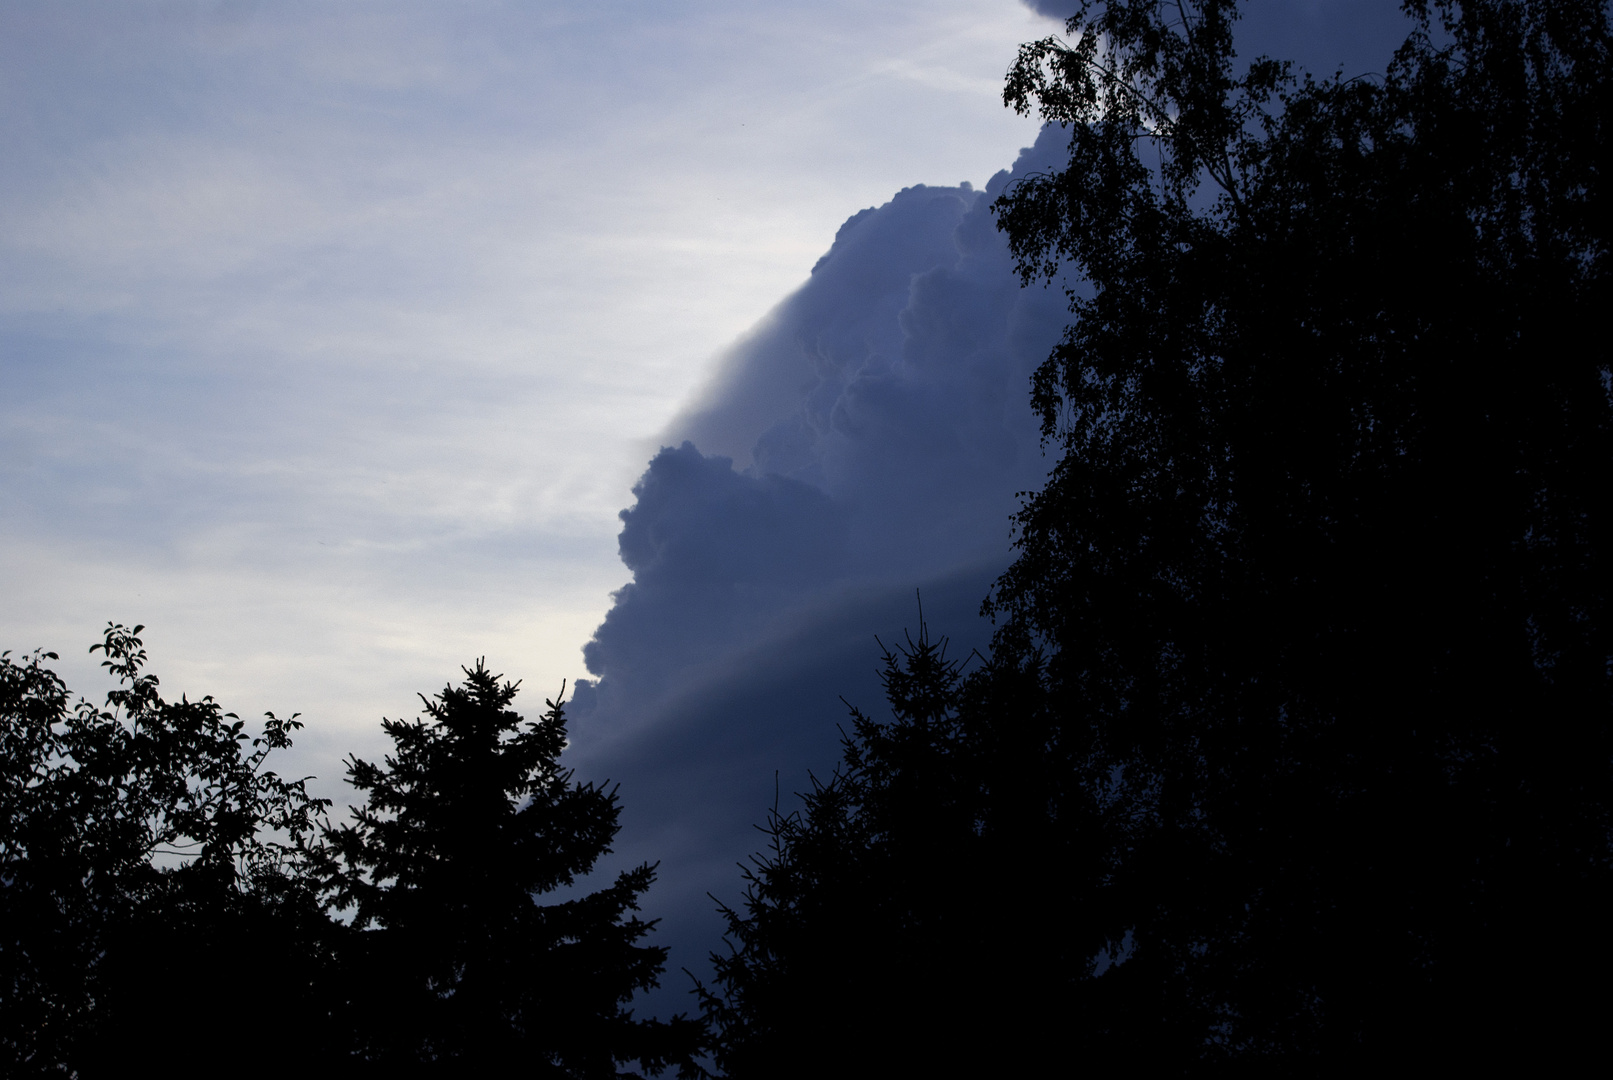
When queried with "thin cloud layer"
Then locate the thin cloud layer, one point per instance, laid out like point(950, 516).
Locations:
point(866, 441)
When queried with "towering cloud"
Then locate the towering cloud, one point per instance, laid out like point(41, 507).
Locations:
point(865, 441)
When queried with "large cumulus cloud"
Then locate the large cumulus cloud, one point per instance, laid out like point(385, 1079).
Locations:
point(867, 440)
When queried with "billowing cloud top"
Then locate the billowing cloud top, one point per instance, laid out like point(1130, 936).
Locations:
point(868, 439)
point(872, 432)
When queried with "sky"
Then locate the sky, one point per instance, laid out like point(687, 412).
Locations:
point(334, 337)
point(669, 347)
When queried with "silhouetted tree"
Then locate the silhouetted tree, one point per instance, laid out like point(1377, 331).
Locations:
point(1322, 573)
point(1295, 750)
point(456, 965)
point(872, 939)
point(165, 896)
point(839, 919)
point(154, 896)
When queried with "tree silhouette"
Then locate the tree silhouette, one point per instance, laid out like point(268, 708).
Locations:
point(162, 892)
point(456, 963)
point(152, 876)
point(1294, 751)
point(871, 938)
point(1322, 573)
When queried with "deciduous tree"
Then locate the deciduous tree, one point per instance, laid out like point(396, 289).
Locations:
point(1322, 573)
point(154, 887)
point(1302, 689)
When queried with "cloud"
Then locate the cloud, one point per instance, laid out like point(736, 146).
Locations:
point(1053, 9)
point(332, 334)
point(1320, 36)
point(866, 440)
point(712, 551)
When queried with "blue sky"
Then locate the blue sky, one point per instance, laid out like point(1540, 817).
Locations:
point(335, 335)
point(340, 342)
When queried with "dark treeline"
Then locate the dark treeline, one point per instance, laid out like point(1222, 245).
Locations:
point(166, 899)
point(1292, 754)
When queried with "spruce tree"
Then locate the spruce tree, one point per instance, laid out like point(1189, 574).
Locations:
point(457, 965)
point(871, 939)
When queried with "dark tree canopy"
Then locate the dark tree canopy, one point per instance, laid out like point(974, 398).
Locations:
point(166, 897)
point(1294, 753)
point(887, 930)
point(468, 821)
point(840, 942)
point(153, 877)
point(1322, 571)
point(923, 913)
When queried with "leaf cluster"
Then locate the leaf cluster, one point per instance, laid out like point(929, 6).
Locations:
point(127, 828)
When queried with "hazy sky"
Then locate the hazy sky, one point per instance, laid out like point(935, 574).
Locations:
point(339, 342)
point(333, 336)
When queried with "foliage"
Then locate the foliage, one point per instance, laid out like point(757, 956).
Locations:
point(162, 891)
point(147, 853)
point(457, 965)
point(875, 919)
point(1294, 751)
point(1322, 572)
point(806, 975)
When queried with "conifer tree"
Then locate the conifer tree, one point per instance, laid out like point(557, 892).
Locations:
point(871, 940)
point(457, 964)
